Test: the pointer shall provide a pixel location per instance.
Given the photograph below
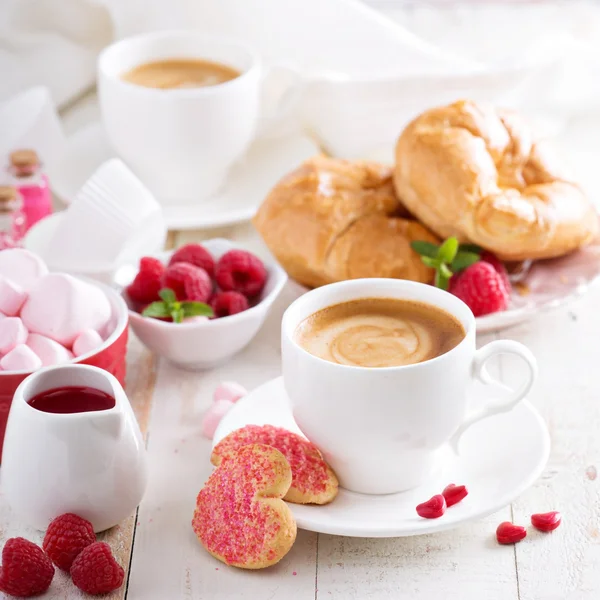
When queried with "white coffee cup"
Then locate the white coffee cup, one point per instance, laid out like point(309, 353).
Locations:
point(380, 429)
point(180, 142)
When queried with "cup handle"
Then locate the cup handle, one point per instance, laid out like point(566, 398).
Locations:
point(507, 398)
point(291, 84)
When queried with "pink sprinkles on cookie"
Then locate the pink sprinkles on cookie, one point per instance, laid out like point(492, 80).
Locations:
point(310, 474)
point(230, 520)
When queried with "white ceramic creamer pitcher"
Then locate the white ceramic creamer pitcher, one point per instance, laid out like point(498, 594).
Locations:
point(90, 463)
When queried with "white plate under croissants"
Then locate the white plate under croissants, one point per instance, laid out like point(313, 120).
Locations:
point(546, 285)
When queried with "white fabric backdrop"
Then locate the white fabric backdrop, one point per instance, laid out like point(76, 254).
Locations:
point(55, 42)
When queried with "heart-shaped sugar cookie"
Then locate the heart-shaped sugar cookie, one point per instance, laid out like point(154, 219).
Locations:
point(240, 517)
point(313, 481)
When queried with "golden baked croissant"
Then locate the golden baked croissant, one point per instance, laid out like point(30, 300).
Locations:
point(331, 220)
point(478, 173)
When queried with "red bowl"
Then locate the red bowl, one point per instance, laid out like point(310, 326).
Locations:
point(110, 356)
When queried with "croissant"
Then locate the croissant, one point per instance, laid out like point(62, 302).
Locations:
point(480, 174)
point(331, 220)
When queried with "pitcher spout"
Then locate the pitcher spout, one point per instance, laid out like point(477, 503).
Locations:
point(109, 423)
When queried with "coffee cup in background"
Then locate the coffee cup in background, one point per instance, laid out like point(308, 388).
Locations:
point(381, 428)
point(182, 139)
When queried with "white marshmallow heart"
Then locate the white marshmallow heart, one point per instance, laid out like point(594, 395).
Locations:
point(47, 350)
point(20, 358)
point(12, 296)
point(61, 307)
point(87, 341)
point(12, 333)
point(22, 267)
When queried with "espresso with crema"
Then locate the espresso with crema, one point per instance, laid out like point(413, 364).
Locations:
point(180, 73)
point(379, 332)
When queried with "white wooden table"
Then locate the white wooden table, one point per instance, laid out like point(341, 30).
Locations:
point(164, 561)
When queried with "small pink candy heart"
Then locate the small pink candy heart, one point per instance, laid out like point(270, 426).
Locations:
point(196, 319)
point(434, 508)
point(509, 533)
point(213, 417)
point(229, 390)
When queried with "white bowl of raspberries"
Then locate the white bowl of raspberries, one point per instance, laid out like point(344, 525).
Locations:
point(199, 305)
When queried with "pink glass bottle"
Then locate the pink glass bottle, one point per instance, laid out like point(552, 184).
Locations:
point(12, 219)
point(32, 184)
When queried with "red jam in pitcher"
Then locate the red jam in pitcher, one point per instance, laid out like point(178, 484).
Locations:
point(67, 400)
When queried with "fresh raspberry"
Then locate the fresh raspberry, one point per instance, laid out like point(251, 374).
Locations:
point(228, 303)
point(95, 571)
point(147, 283)
point(499, 267)
point(481, 288)
point(197, 255)
point(242, 272)
point(176, 275)
point(26, 570)
point(198, 285)
point(65, 538)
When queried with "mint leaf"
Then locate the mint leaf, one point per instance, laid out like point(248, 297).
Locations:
point(196, 309)
point(445, 271)
point(446, 259)
point(441, 281)
point(177, 313)
point(463, 260)
point(168, 295)
point(158, 310)
point(434, 263)
point(424, 248)
point(448, 250)
point(470, 248)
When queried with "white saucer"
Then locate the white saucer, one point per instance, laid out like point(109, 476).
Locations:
point(500, 458)
point(249, 182)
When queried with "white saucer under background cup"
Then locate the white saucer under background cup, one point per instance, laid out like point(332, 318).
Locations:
point(180, 142)
point(381, 429)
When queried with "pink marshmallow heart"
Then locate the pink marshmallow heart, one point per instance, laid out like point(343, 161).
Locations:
point(61, 307)
point(12, 296)
point(229, 390)
point(196, 319)
point(20, 358)
point(12, 333)
point(47, 350)
point(213, 417)
point(87, 341)
point(22, 267)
